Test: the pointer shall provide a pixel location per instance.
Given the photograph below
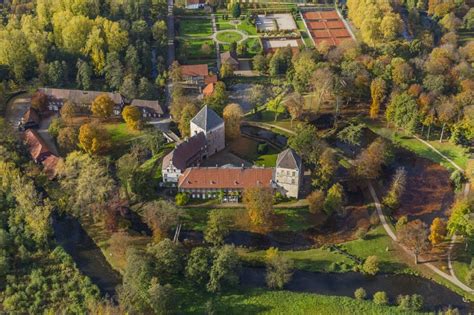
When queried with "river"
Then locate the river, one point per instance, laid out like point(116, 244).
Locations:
point(91, 262)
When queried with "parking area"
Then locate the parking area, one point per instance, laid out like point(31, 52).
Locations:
point(276, 22)
point(326, 26)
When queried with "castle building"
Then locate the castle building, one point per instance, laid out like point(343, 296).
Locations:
point(209, 123)
point(207, 138)
point(289, 173)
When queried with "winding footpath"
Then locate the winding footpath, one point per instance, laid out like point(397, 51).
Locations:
point(450, 277)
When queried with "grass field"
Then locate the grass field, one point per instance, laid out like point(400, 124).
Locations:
point(246, 300)
point(223, 24)
point(456, 153)
point(464, 262)
point(229, 37)
point(120, 138)
point(253, 46)
point(304, 33)
point(247, 27)
point(192, 48)
point(325, 260)
point(195, 27)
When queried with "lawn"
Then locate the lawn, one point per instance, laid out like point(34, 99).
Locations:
point(456, 153)
point(195, 27)
point(464, 262)
point(247, 300)
point(377, 243)
point(247, 149)
point(290, 219)
point(329, 260)
point(247, 27)
point(120, 133)
point(192, 49)
point(223, 24)
point(229, 37)
point(253, 46)
point(304, 33)
point(269, 118)
point(261, 301)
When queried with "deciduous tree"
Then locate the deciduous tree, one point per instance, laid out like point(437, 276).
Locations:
point(224, 270)
point(414, 235)
point(437, 231)
point(278, 269)
point(93, 138)
point(217, 227)
point(133, 117)
point(232, 116)
point(102, 106)
point(259, 204)
point(161, 216)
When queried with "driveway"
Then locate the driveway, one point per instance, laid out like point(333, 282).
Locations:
point(43, 132)
point(16, 108)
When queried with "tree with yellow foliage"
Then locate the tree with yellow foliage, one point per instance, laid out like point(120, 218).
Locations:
point(93, 138)
point(437, 231)
point(259, 204)
point(232, 117)
point(132, 117)
point(102, 106)
point(377, 92)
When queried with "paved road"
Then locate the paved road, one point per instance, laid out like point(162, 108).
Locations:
point(170, 26)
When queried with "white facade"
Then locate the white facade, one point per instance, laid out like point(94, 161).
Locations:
point(288, 181)
point(170, 173)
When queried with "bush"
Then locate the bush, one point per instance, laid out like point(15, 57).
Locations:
point(316, 201)
point(262, 148)
point(182, 199)
point(401, 222)
point(470, 278)
point(361, 233)
point(407, 302)
point(360, 294)
point(380, 298)
point(371, 266)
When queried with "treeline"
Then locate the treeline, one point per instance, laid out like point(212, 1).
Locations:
point(77, 42)
point(36, 275)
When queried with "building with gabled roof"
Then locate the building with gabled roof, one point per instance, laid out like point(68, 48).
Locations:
point(208, 182)
point(187, 153)
point(209, 123)
point(149, 108)
point(40, 152)
point(289, 173)
point(230, 58)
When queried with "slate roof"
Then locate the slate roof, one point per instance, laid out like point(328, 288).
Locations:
point(225, 178)
point(153, 105)
point(289, 159)
point(230, 58)
point(79, 96)
point(207, 119)
point(184, 152)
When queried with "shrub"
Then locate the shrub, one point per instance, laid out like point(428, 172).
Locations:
point(360, 294)
point(182, 199)
point(262, 148)
point(407, 302)
point(401, 222)
point(374, 219)
point(371, 265)
point(361, 233)
point(380, 298)
point(316, 201)
point(470, 278)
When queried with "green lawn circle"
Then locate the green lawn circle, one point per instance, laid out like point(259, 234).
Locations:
point(229, 37)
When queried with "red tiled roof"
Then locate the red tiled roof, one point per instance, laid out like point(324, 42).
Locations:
point(36, 145)
point(49, 166)
point(208, 90)
point(195, 70)
point(210, 79)
point(225, 178)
